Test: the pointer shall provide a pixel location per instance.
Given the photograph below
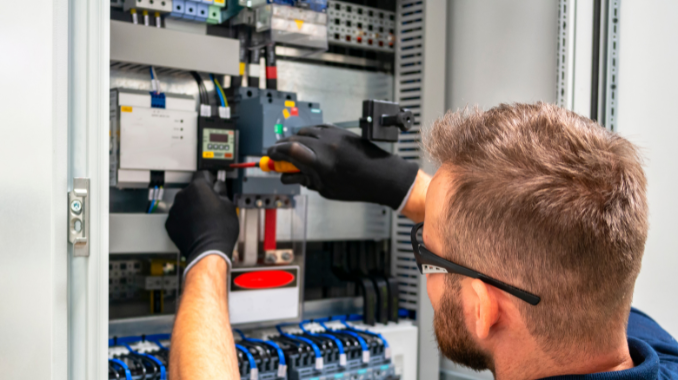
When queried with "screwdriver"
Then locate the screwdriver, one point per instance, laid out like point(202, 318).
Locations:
point(268, 165)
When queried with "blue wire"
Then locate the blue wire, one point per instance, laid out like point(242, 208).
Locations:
point(163, 370)
point(153, 201)
point(315, 347)
point(156, 339)
point(367, 332)
point(216, 89)
point(281, 355)
point(150, 68)
point(362, 342)
point(335, 339)
point(253, 363)
point(128, 374)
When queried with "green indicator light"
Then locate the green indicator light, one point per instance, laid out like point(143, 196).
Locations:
point(278, 128)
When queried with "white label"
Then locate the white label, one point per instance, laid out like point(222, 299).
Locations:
point(159, 194)
point(225, 112)
point(151, 194)
point(319, 363)
point(205, 110)
point(387, 352)
point(366, 356)
point(282, 370)
point(254, 373)
point(342, 360)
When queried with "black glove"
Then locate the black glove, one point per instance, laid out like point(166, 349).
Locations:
point(202, 222)
point(343, 166)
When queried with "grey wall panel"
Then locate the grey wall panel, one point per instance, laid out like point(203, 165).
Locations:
point(647, 99)
point(501, 51)
point(170, 48)
point(339, 91)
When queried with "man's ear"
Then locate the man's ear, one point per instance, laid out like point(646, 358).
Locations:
point(486, 308)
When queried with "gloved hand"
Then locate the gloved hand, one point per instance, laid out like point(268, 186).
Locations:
point(341, 165)
point(203, 221)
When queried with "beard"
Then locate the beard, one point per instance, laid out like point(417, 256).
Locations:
point(454, 339)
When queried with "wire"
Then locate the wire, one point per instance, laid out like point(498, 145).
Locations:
point(221, 89)
point(204, 98)
point(155, 83)
point(363, 344)
point(163, 370)
point(387, 350)
point(128, 374)
point(318, 355)
point(340, 346)
point(154, 199)
point(217, 89)
point(254, 371)
point(282, 366)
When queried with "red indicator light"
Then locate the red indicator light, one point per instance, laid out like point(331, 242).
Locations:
point(359, 39)
point(381, 43)
point(265, 279)
point(294, 111)
point(369, 41)
point(348, 38)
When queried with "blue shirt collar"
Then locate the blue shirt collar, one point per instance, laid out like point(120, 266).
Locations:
point(645, 360)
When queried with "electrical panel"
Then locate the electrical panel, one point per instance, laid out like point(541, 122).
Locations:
point(310, 284)
point(361, 27)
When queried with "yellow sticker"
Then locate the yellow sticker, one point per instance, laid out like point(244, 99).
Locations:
point(207, 154)
point(125, 109)
point(286, 113)
point(289, 103)
point(220, 2)
point(300, 23)
point(242, 68)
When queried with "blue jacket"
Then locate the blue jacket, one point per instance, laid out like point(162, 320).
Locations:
point(653, 350)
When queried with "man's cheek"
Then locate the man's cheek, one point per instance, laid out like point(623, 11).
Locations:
point(435, 289)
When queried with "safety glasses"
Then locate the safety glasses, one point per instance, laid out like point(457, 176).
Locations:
point(428, 262)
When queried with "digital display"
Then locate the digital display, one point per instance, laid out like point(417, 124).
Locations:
point(218, 137)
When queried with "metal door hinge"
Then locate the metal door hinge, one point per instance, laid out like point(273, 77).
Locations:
point(78, 217)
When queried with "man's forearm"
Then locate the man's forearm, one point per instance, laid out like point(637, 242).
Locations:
point(415, 205)
point(202, 342)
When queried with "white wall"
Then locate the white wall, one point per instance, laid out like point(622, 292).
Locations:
point(648, 81)
point(497, 52)
point(501, 51)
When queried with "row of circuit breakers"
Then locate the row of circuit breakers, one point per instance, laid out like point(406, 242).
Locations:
point(319, 350)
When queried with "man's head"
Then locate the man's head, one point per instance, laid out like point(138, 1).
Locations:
point(546, 201)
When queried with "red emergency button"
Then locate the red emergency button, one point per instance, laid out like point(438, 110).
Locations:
point(264, 279)
point(294, 111)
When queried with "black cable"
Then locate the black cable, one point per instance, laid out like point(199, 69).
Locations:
point(204, 99)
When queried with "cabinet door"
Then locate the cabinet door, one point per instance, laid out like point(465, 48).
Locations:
point(54, 111)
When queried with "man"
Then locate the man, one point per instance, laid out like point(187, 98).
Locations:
point(538, 216)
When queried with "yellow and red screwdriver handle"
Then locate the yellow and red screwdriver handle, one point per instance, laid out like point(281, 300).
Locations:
point(268, 165)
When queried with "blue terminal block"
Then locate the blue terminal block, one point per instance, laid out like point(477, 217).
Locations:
point(190, 10)
point(202, 13)
point(178, 7)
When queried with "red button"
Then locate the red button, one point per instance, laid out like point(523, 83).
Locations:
point(294, 111)
point(264, 279)
point(228, 155)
